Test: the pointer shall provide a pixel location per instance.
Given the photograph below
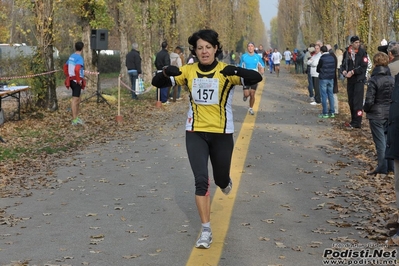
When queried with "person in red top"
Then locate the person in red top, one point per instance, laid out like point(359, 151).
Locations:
point(74, 72)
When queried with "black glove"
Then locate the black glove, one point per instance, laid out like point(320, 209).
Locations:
point(230, 71)
point(172, 71)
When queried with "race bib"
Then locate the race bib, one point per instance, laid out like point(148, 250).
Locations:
point(205, 91)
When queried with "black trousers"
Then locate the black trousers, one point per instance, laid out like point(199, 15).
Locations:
point(355, 100)
point(218, 147)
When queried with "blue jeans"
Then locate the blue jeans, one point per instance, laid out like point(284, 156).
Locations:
point(164, 94)
point(310, 83)
point(133, 77)
point(378, 128)
point(326, 91)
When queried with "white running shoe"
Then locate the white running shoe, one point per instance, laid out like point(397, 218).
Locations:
point(205, 239)
point(227, 189)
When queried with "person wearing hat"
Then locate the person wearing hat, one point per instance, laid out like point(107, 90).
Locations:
point(353, 68)
point(308, 54)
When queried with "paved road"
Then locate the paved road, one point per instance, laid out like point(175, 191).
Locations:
point(131, 202)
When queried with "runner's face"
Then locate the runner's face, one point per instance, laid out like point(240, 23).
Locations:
point(251, 48)
point(205, 52)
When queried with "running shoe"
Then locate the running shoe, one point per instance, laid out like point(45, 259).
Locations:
point(347, 125)
point(332, 115)
point(205, 240)
point(323, 116)
point(77, 121)
point(313, 103)
point(244, 98)
point(227, 189)
point(251, 111)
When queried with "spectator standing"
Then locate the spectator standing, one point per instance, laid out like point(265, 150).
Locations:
point(312, 62)
point(354, 66)
point(393, 53)
point(251, 60)
point(74, 72)
point(299, 61)
point(162, 60)
point(175, 60)
point(308, 54)
point(335, 88)
point(276, 59)
point(133, 65)
point(392, 149)
point(376, 106)
point(210, 123)
point(326, 68)
point(293, 59)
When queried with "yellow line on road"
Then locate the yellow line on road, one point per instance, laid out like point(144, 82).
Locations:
point(222, 206)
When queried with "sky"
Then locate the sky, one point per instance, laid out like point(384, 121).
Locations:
point(268, 10)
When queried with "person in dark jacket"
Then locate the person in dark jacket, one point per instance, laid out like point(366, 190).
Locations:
point(326, 69)
point(335, 88)
point(162, 60)
point(376, 106)
point(392, 150)
point(133, 65)
point(354, 67)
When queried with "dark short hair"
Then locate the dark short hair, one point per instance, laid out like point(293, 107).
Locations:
point(324, 49)
point(210, 36)
point(79, 46)
point(164, 44)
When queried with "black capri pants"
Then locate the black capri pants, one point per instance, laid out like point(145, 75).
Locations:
point(219, 148)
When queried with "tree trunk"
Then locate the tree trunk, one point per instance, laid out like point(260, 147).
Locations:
point(51, 92)
point(146, 41)
point(47, 96)
point(90, 58)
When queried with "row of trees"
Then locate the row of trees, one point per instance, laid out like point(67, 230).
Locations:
point(49, 23)
point(300, 23)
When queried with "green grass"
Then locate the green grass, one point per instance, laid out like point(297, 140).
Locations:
point(52, 150)
point(13, 154)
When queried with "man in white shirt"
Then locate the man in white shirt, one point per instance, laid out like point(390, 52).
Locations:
point(276, 58)
point(287, 57)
